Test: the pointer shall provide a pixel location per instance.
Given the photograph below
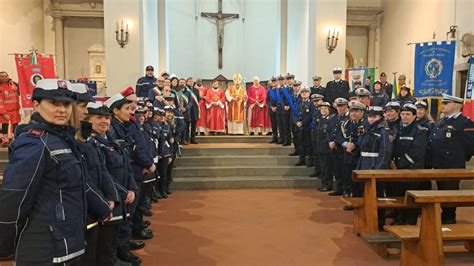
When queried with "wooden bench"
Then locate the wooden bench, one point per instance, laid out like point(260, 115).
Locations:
point(423, 245)
point(367, 220)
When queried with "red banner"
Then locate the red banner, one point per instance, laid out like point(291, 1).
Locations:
point(31, 68)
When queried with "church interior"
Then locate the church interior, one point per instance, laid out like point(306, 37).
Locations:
point(238, 200)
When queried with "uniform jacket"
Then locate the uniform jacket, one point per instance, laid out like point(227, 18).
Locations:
point(336, 89)
point(409, 147)
point(452, 142)
point(44, 195)
point(379, 99)
point(144, 85)
point(322, 134)
point(375, 147)
point(349, 133)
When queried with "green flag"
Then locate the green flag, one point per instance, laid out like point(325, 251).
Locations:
point(395, 87)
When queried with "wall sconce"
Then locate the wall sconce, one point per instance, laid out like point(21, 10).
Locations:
point(121, 35)
point(331, 41)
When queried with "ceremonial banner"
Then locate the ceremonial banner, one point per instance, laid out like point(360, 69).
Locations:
point(468, 109)
point(434, 69)
point(360, 73)
point(31, 68)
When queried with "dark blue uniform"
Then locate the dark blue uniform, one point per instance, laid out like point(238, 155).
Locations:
point(318, 90)
point(451, 143)
point(43, 196)
point(350, 132)
point(336, 89)
point(144, 85)
point(305, 109)
point(295, 116)
point(284, 115)
point(379, 99)
point(272, 101)
point(324, 152)
point(337, 154)
point(409, 151)
point(192, 108)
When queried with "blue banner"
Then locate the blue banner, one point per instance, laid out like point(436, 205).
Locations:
point(434, 69)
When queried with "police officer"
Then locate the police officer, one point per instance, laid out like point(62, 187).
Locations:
point(165, 154)
point(295, 115)
point(379, 97)
point(283, 112)
point(391, 112)
point(357, 84)
point(375, 145)
point(303, 130)
point(337, 151)
point(192, 107)
point(146, 83)
point(386, 87)
point(363, 96)
point(404, 96)
point(423, 117)
point(272, 101)
point(322, 148)
point(119, 170)
point(120, 131)
point(173, 125)
point(451, 143)
point(44, 187)
point(317, 88)
point(409, 149)
point(351, 130)
point(336, 88)
point(317, 100)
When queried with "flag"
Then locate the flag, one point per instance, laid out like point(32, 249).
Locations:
point(395, 87)
point(468, 109)
point(31, 68)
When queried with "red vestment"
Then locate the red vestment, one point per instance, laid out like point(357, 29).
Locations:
point(202, 122)
point(257, 105)
point(215, 105)
point(9, 102)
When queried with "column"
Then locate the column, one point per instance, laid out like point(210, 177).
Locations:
point(371, 47)
point(59, 45)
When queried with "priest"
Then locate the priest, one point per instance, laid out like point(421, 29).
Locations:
point(202, 122)
point(236, 97)
point(215, 105)
point(257, 108)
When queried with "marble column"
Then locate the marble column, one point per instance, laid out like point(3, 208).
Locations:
point(371, 47)
point(59, 46)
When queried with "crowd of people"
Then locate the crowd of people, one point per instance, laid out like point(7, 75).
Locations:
point(82, 174)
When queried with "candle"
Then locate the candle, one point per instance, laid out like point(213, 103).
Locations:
point(121, 25)
point(337, 35)
point(126, 27)
point(117, 26)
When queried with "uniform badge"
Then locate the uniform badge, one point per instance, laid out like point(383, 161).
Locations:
point(391, 138)
point(307, 110)
point(448, 134)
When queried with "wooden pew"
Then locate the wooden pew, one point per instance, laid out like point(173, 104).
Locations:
point(368, 218)
point(423, 245)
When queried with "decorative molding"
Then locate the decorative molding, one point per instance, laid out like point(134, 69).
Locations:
point(467, 41)
point(85, 9)
point(364, 16)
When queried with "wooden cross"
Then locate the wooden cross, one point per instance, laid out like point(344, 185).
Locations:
point(220, 19)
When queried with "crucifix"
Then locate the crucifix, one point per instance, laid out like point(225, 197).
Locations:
point(220, 19)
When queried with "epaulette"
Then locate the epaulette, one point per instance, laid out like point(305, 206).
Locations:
point(36, 132)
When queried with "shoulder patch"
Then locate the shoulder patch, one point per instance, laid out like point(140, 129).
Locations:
point(36, 132)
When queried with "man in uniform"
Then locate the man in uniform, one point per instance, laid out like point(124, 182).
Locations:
point(303, 132)
point(317, 88)
point(192, 108)
point(322, 147)
point(146, 83)
point(337, 152)
point(317, 100)
point(363, 96)
point(295, 115)
point(452, 144)
point(283, 112)
point(386, 87)
point(336, 88)
point(272, 101)
point(347, 139)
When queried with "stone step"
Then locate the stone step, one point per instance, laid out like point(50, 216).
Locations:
point(241, 182)
point(253, 170)
point(3, 164)
point(233, 160)
point(235, 149)
point(233, 139)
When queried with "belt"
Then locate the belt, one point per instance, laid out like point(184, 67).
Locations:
point(369, 154)
point(92, 225)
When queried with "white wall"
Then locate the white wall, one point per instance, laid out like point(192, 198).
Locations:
point(79, 35)
point(250, 48)
point(21, 26)
point(357, 44)
point(123, 65)
point(298, 39)
point(423, 17)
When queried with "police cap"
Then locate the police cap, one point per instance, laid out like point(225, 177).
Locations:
point(54, 89)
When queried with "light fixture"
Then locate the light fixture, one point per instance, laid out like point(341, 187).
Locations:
point(121, 34)
point(331, 41)
point(451, 34)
